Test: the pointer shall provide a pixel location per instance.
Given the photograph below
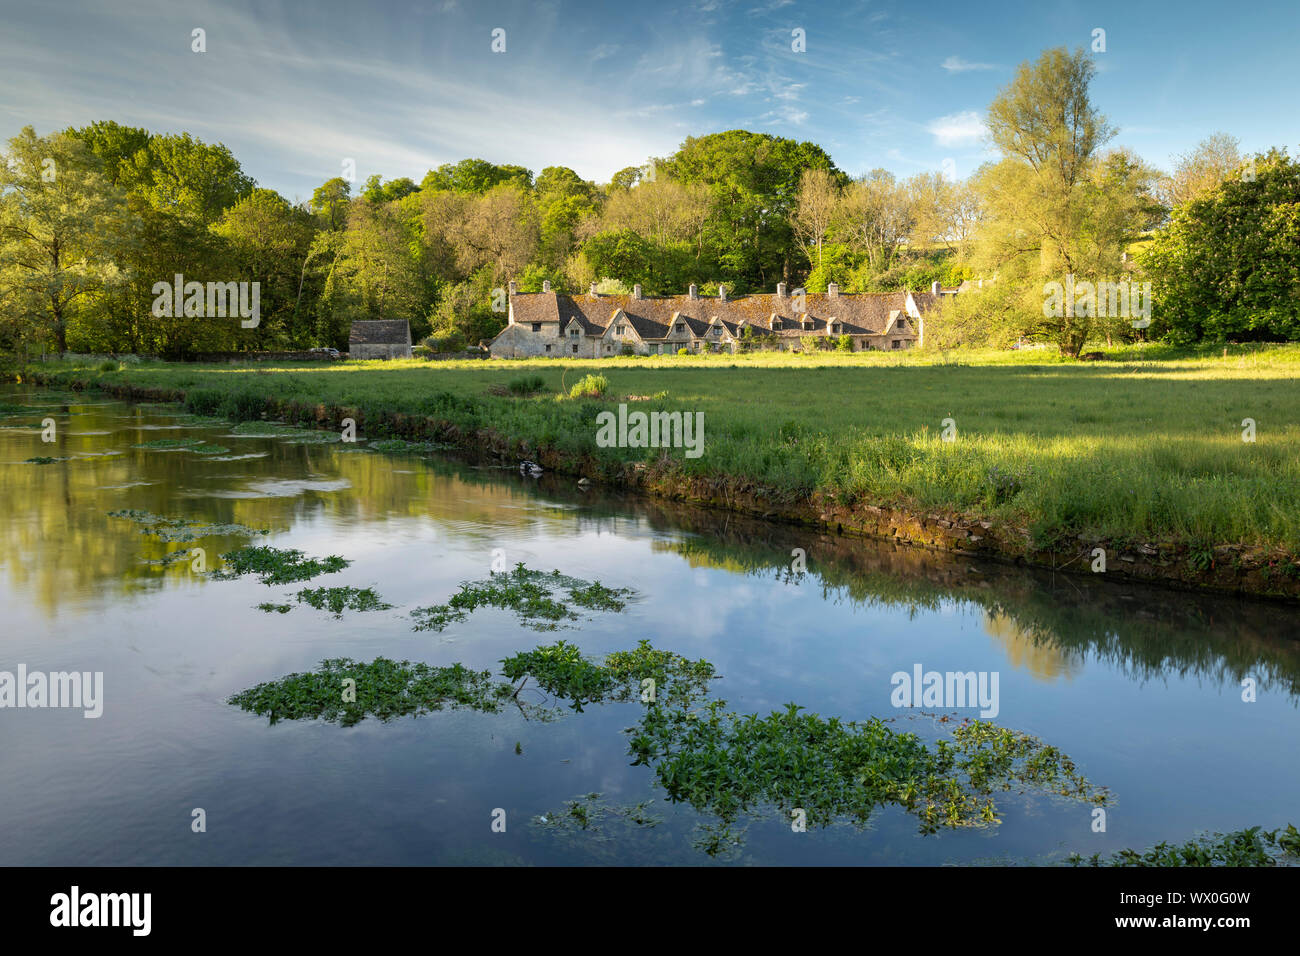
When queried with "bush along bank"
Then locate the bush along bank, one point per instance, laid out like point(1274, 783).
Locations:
point(561, 436)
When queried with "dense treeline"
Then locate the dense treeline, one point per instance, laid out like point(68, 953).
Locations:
point(92, 218)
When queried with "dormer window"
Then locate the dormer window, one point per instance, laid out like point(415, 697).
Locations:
point(717, 331)
point(835, 329)
point(574, 333)
point(681, 327)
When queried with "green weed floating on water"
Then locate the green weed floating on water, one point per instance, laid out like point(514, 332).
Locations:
point(338, 600)
point(724, 765)
point(382, 688)
point(530, 594)
point(276, 565)
point(1250, 847)
point(561, 670)
point(181, 529)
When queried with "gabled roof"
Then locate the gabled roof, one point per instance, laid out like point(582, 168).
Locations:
point(653, 318)
point(380, 332)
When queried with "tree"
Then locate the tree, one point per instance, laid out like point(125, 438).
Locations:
point(476, 176)
point(329, 203)
point(1202, 170)
point(268, 242)
point(1228, 263)
point(374, 274)
point(62, 225)
point(1055, 208)
point(186, 177)
point(753, 181)
point(875, 217)
point(815, 211)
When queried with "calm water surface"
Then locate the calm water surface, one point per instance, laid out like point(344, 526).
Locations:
point(1141, 687)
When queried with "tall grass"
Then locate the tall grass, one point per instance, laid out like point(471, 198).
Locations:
point(1141, 449)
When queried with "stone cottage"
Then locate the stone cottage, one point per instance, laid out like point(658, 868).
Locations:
point(549, 324)
point(380, 339)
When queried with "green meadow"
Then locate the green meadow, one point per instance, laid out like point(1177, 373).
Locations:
point(1146, 446)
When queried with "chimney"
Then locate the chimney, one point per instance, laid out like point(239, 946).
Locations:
point(722, 293)
point(780, 290)
point(693, 292)
point(546, 285)
point(594, 293)
point(934, 288)
point(636, 291)
point(833, 290)
point(514, 289)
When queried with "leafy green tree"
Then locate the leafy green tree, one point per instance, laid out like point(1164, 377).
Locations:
point(754, 181)
point(329, 203)
point(476, 176)
point(1056, 206)
point(1228, 263)
point(116, 146)
point(63, 227)
point(268, 241)
point(187, 177)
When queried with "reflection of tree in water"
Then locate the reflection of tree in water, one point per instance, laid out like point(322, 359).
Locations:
point(1026, 652)
point(1047, 620)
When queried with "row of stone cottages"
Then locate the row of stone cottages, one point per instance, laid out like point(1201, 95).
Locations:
point(548, 323)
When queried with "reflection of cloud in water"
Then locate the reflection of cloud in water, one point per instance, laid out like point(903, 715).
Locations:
point(1043, 660)
point(270, 488)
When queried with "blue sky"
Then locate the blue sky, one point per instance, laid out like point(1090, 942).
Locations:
point(295, 88)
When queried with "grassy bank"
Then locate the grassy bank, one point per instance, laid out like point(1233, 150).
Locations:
point(1142, 455)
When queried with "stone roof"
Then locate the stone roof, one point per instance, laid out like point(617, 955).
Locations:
point(652, 317)
point(380, 332)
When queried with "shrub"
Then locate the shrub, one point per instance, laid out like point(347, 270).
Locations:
point(591, 386)
point(845, 344)
point(683, 351)
point(110, 365)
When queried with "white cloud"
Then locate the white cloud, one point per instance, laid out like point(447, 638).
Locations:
point(955, 64)
point(957, 129)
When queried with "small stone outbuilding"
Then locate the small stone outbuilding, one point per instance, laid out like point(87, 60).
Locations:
point(380, 339)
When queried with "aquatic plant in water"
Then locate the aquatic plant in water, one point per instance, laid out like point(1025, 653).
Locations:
point(1250, 847)
point(338, 600)
point(532, 595)
point(724, 765)
point(181, 529)
point(644, 673)
point(276, 565)
point(345, 691)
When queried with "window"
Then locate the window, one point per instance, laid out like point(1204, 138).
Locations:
point(609, 348)
point(895, 344)
point(574, 333)
point(537, 326)
point(681, 327)
point(835, 329)
point(575, 348)
point(548, 348)
point(621, 328)
point(717, 330)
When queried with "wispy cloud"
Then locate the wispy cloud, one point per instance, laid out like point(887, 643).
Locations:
point(955, 64)
point(957, 129)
